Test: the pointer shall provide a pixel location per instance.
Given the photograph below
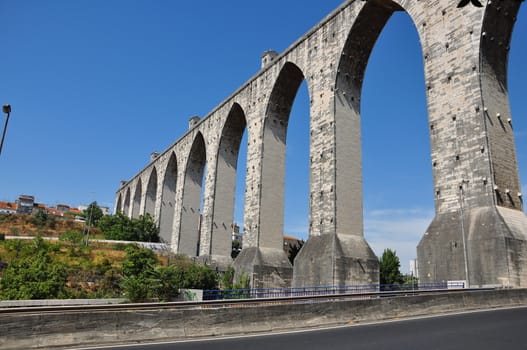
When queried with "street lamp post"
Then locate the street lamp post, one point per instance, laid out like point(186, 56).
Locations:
point(462, 219)
point(7, 110)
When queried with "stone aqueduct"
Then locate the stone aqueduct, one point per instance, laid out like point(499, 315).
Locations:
point(479, 232)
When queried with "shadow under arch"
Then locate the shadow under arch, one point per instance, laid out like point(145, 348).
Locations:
point(168, 200)
point(126, 205)
point(118, 207)
point(517, 89)
point(225, 182)
point(151, 193)
point(189, 229)
point(136, 205)
point(494, 60)
point(271, 218)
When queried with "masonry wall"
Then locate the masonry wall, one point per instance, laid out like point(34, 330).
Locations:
point(69, 329)
point(472, 148)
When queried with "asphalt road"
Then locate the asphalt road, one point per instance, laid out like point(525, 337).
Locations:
point(495, 329)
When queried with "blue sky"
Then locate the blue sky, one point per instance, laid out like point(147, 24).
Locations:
point(96, 86)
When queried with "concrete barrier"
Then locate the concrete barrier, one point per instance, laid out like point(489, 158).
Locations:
point(31, 331)
point(60, 302)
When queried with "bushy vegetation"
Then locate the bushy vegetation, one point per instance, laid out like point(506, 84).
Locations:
point(92, 214)
point(73, 267)
point(114, 227)
point(39, 224)
point(120, 227)
point(34, 274)
point(144, 278)
point(42, 220)
point(40, 269)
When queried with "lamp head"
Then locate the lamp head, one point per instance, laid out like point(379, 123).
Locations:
point(6, 109)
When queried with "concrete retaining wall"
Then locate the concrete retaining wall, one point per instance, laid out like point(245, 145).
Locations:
point(106, 327)
point(59, 302)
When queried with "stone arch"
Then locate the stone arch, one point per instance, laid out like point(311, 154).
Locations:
point(188, 238)
point(225, 181)
point(348, 86)
point(168, 199)
point(118, 207)
point(271, 218)
point(136, 205)
point(151, 193)
point(126, 205)
point(337, 210)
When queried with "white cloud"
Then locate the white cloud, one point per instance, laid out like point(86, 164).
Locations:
point(397, 229)
point(396, 212)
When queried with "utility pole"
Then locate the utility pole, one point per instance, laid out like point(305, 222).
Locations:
point(7, 110)
point(462, 214)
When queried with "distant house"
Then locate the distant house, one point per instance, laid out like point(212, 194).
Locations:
point(105, 210)
point(236, 234)
point(290, 241)
point(54, 212)
point(25, 204)
point(8, 208)
point(38, 207)
point(63, 208)
point(75, 211)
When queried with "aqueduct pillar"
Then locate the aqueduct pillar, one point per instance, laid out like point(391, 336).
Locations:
point(479, 232)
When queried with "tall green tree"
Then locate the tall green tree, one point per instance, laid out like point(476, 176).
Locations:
point(145, 229)
point(389, 266)
point(137, 267)
point(236, 248)
point(93, 214)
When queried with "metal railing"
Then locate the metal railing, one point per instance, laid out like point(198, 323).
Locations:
point(266, 293)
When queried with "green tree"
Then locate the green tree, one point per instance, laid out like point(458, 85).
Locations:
point(293, 251)
point(138, 261)
point(226, 279)
point(136, 288)
point(167, 281)
point(200, 277)
point(34, 274)
point(145, 229)
point(115, 226)
point(389, 266)
point(138, 267)
point(93, 214)
point(120, 227)
point(236, 248)
point(42, 219)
